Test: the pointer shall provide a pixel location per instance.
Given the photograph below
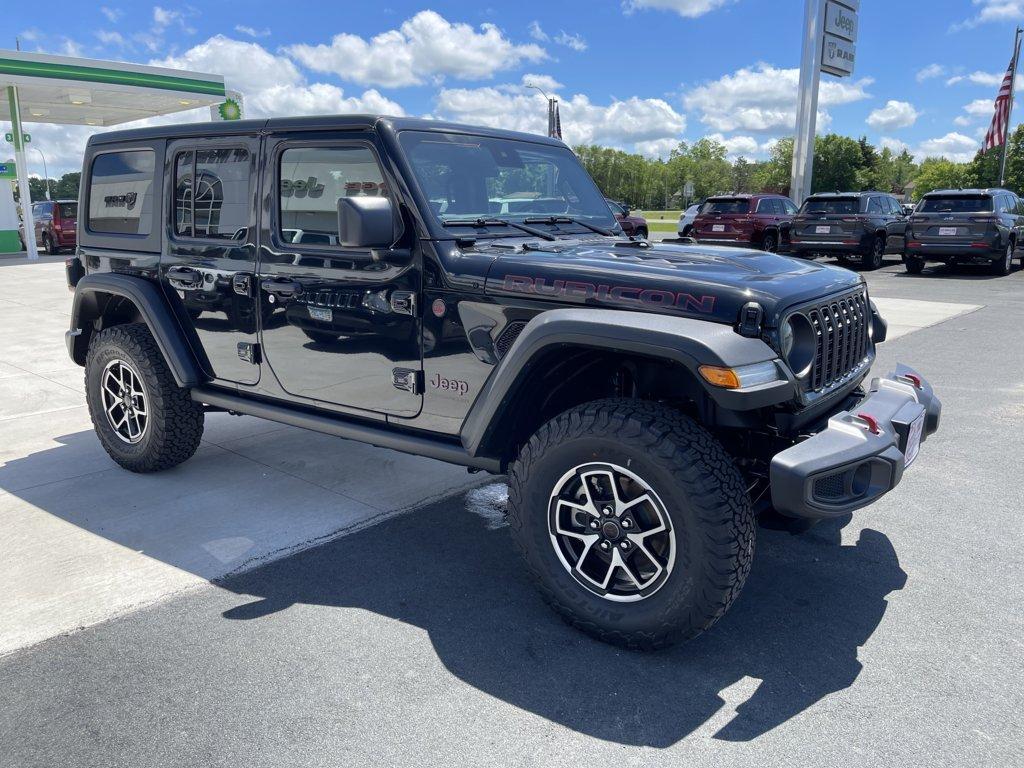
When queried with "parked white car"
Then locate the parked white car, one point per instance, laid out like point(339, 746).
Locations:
point(686, 220)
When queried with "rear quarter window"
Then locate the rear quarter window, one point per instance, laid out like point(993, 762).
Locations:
point(121, 192)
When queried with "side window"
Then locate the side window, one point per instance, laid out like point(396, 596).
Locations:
point(874, 205)
point(121, 192)
point(211, 193)
point(790, 206)
point(312, 180)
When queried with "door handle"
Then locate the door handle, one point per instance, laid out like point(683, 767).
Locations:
point(280, 288)
point(185, 278)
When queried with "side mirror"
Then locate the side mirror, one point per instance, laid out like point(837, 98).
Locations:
point(365, 222)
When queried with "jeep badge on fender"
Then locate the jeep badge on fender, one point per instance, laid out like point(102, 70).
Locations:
point(468, 295)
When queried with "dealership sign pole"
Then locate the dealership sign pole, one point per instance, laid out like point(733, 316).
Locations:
point(830, 34)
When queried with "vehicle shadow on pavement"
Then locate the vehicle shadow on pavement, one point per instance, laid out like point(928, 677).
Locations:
point(808, 606)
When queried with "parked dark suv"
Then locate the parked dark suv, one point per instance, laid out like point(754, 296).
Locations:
point(749, 221)
point(851, 225)
point(645, 401)
point(966, 226)
point(634, 226)
point(55, 223)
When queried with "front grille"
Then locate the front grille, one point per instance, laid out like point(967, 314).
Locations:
point(841, 328)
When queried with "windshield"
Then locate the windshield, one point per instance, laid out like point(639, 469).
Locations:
point(477, 177)
point(964, 204)
point(844, 206)
point(68, 210)
point(726, 206)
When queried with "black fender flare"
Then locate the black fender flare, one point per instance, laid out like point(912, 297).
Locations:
point(687, 341)
point(152, 307)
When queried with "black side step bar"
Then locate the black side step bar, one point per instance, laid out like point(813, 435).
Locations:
point(453, 453)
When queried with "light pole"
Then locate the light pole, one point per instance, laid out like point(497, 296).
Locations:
point(46, 173)
point(551, 107)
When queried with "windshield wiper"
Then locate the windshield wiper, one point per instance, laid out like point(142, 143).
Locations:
point(494, 222)
point(563, 219)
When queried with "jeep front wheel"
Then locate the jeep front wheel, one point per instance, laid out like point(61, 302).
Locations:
point(144, 420)
point(633, 520)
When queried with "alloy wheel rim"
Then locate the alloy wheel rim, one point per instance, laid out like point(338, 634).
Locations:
point(611, 532)
point(124, 401)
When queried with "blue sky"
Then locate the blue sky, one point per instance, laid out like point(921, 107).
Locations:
point(640, 74)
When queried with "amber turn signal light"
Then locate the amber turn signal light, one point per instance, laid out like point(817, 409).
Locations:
point(720, 377)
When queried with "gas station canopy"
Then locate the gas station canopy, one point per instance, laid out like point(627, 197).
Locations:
point(61, 89)
point(41, 88)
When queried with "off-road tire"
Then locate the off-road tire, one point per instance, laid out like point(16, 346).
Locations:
point(175, 420)
point(914, 265)
point(704, 496)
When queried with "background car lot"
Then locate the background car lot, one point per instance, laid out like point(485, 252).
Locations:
point(894, 639)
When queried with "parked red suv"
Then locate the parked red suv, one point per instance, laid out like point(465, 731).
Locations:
point(749, 221)
point(634, 226)
point(55, 222)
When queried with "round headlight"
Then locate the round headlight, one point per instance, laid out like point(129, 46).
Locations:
point(798, 341)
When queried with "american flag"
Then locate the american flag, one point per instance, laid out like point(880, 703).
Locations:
point(996, 136)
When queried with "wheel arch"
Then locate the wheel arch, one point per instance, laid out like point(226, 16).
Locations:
point(108, 299)
point(565, 357)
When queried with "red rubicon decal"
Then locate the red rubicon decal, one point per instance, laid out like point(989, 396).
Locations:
point(617, 294)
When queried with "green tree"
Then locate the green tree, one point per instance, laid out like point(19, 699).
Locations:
point(940, 173)
point(774, 174)
point(984, 169)
point(1015, 161)
point(66, 187)
point(868, 173)
point(837, 160)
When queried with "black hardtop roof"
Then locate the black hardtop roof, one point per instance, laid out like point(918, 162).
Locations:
point(314, 123)
point(967, 192)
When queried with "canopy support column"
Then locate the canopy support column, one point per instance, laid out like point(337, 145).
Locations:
point(21, 162)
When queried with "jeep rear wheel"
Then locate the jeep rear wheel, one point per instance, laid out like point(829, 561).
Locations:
point(144, 420)
point(633, 520)
point(1004, 266)
point(876, 256)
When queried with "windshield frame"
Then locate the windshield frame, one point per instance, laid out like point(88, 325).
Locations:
point(439, 230)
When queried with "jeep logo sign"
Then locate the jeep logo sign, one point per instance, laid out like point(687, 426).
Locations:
point(841, 22)
point(121, 201)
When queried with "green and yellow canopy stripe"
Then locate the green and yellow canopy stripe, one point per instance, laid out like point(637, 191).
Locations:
point(108, 76)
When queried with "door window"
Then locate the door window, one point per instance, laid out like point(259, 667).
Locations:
point(874, 205)
point(211, 193)
point(121, 192)
point(311, 182)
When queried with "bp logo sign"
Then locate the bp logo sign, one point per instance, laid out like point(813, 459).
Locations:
point(229, 109)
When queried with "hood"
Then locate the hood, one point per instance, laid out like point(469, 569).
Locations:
point(705, 282)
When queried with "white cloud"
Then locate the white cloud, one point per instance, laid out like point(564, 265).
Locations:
point(962, 120)
point(537, 32)
point(743, 146)
point(978, 78)
point(932, 70)
point(895, 114)
point(690, 9)
point(251, 31)
point(272, 85)
point(112, 14)
point(110, 37)
point(980, 108)
point(657, 149)
point(633, 123)
point(763, 98)
point(953, 146)
point(574, 41)
point(426, 46)
point(546, 83)
point(893, 145)
point(163, 17)
point(992, 11)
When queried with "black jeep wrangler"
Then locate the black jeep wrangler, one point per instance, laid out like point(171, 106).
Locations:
point(466, 294)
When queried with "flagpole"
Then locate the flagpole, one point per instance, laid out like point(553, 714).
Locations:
point(1009, 113)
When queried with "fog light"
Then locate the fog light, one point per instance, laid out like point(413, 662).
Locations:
point(742, 377)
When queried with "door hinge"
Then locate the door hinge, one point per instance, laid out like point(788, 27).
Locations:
point(408, 380)
point(403, 302)
point(249, 352)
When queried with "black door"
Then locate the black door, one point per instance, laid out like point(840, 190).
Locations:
point(340, 323)
point(209, 259)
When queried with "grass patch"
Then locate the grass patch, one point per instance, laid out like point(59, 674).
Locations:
point(661, 226)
